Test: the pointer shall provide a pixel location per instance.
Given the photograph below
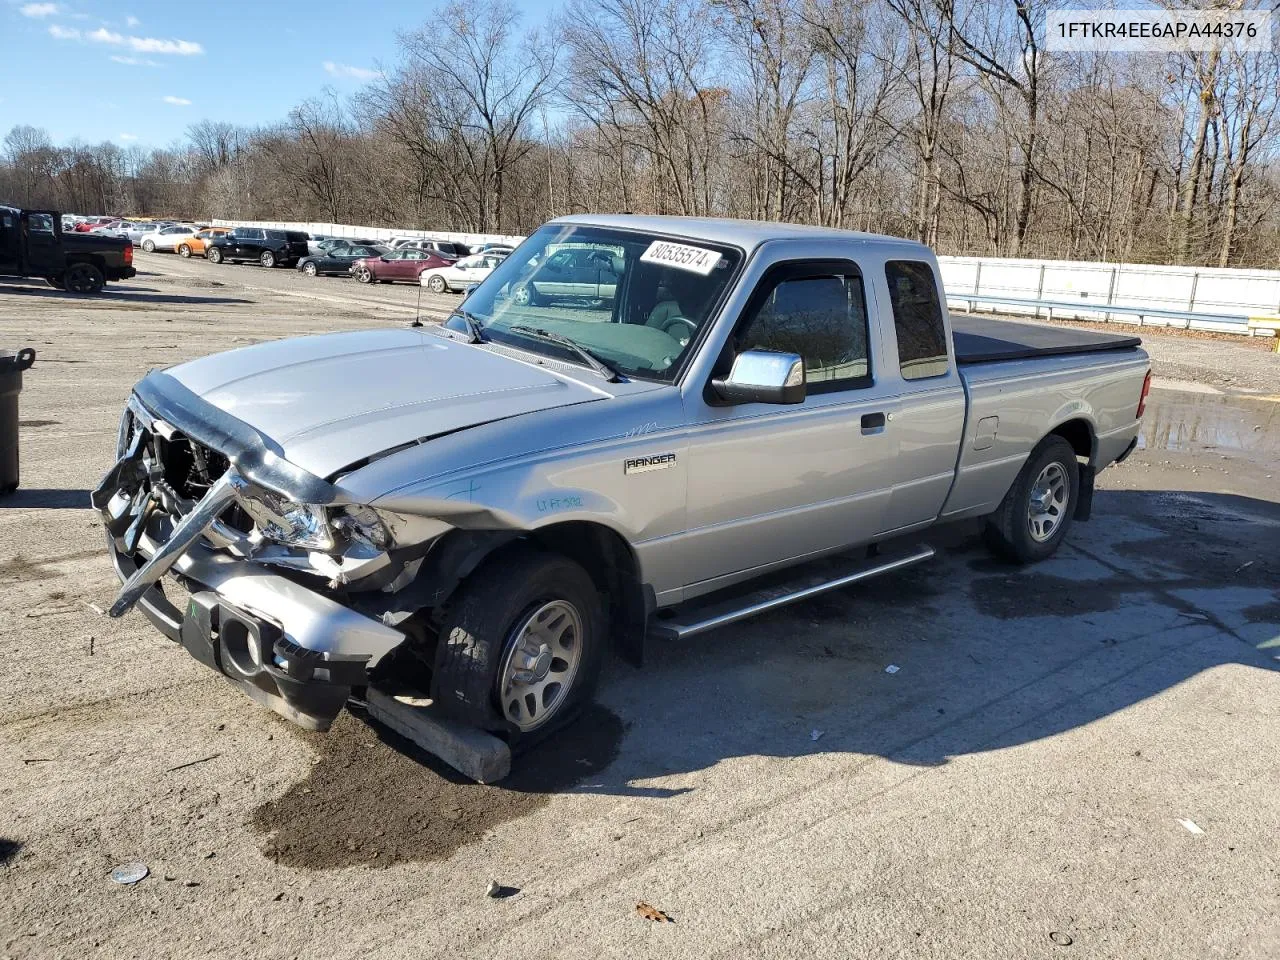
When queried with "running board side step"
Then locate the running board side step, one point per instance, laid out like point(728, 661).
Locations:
point(690, 622)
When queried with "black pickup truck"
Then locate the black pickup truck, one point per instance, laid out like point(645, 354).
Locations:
point(32, 244)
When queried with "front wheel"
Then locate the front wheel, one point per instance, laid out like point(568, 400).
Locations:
point(521, 647)
point(525, 296)
point(310, 269)
point(1035, 514)
point(214, 255)
point(184, 251)
point(267, 259)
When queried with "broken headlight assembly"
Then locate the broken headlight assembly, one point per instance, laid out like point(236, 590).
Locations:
point(309, 526)
point(285, 522)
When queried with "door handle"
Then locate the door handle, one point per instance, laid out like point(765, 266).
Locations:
point(872, 422)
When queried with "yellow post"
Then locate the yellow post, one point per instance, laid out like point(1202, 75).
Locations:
point(1270, 322)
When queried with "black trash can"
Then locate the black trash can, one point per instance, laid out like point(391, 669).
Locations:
point(11, 367)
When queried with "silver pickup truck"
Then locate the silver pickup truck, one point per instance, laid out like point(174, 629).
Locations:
point(626, 422)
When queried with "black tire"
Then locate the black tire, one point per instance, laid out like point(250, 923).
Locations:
point(149, 246)
point(184, 251)
point(310, 269)
point(436, 283)
point(1009, 529)
point(83, 278)
point(267, 259)
point(213, 255)
point(364, 275)
point(480, 625)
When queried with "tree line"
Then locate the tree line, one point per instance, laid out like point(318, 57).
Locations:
point(942, 120)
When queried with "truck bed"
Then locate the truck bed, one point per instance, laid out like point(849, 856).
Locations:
point(981, 340)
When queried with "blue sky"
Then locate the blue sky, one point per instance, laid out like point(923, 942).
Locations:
point(141, 71)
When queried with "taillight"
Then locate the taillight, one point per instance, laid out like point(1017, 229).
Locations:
point(128, 261)
point(1142, 400)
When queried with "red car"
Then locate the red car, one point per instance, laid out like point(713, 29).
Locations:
point(84, 226)
point(397, 266)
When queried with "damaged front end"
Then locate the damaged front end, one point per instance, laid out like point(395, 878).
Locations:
point(265, 550)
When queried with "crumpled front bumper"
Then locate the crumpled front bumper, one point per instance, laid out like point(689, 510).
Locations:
point(291, 648)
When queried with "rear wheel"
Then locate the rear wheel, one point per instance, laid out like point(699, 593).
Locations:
point(184, 250)
point(521, 646)
point(83, 278)
point(149, 246)
point(437, 284)
point(267, 259)
point(364, 275)
point(1035, 514)
point(214, 255)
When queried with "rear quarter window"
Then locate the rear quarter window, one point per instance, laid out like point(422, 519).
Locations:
point(917, 319)
point(295, 236)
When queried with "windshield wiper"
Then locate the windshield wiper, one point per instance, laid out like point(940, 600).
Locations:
point(589, 358)
point(474, 326)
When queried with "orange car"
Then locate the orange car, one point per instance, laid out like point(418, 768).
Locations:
point(196, 245)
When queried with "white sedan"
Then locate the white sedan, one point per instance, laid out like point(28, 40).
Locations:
point(463, 273)
point(166, 238)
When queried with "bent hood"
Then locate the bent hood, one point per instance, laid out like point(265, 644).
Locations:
point(330, 401)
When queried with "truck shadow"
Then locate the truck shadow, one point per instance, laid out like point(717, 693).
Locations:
point(114, 293)
point(1159, 588)
point(24, 498)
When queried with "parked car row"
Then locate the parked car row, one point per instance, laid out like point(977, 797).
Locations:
point(440, 265)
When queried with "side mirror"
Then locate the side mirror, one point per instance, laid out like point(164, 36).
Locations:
point(763, 376)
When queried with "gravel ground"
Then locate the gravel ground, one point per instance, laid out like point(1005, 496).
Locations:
point(1076, 759)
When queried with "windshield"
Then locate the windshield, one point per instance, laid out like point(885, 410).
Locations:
point(634, 300)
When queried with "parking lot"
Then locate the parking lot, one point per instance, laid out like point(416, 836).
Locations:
point(1072, 759)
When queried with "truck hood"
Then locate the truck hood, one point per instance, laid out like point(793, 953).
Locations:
point(330, 401)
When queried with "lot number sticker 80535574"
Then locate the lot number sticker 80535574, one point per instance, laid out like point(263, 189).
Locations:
point(681, 257)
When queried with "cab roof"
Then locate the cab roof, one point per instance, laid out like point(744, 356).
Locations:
point(747, 234)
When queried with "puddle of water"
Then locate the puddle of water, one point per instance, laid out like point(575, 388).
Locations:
point(1189, 422)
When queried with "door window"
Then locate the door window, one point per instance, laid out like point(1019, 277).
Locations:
point(40, 223)
point(822, 318)
point(917, 318)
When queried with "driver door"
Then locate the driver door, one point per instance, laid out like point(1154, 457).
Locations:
point(10, 241)
point(770, 484)
point(43, 252)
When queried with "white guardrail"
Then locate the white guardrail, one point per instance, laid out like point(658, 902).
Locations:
point(1204, 298)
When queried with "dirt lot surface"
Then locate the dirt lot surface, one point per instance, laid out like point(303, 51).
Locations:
point(1073, 760)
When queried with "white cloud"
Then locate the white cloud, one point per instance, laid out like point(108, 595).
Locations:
point(182, 48)
point(131, 21)
point(134, 61)
point(127, 136)
point(38, 10)
point(177, 101)
point(349, 72)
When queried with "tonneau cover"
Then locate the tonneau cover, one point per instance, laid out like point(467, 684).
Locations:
point(981, 340)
